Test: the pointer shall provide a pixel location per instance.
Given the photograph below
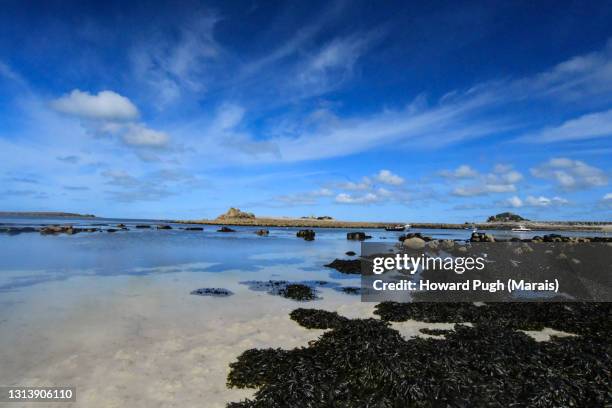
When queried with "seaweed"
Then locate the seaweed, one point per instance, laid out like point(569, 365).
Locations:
point(301, 291)
point(214, 292)
point(366, 363)
point(297, 291)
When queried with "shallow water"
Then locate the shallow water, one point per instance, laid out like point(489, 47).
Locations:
point(112, 314)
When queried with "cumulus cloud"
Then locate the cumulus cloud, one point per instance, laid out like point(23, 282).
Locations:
point(542, 201)
point(106, 105)
point(502, 179)
point(571, 174)
point(305, 198)
point(532, 201)
point(139, 135)
point(608, 197)
point(387, 177)
point(368, 198)
point(463, 171)
point(364, 184)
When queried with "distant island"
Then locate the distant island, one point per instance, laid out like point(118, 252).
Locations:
point(503, 221)
point(506, 217)
point(44, 214)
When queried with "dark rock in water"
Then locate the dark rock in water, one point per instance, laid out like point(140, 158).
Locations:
point(112, 230)
point(297, 291)
point(121, 226)
point(194, 229)
point(164, 227)
point(262, 232)
point(366, 363)
point(225, 229)
point(350, 253)
point(317, 319)
point(17, 230)
point(348, 266)
point(357, 236)
point(308, 235)
point(404, 237)
point(215, 292)
point(143, 226)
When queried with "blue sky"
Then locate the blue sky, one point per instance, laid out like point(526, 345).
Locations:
point(447, 111)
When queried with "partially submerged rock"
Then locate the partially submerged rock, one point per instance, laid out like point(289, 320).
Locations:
point(350, 253)
point(143, 226)
point(17, 230)
point(262, 232)
point(194, 229)
point(348, 266)
point(164, 227)
point(65, 229)
point(226, 229)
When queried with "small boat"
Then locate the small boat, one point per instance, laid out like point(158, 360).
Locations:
point(396, 228)
point(521, 228)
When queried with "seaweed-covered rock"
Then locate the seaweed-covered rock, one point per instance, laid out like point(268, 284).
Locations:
point(350, 253)
point(65, 229)
point(348, 266)
point(301, 291)
point(164, 227)
point(262, 232)
point(214, 292)
point(194, 229)
point(308, 234)
point(350, 290)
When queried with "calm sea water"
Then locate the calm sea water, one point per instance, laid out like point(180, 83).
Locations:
point(146, 251)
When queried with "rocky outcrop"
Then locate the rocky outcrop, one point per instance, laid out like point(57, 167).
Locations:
point(414, 243)
point(481, 237)
point(164, 227)
point(506, 217)
point(235, 213)
point(262, 232)
point(308, 234)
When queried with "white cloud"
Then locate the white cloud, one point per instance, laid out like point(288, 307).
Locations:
point(463, 171)
point(142, 136)
point(589, 126)
point(483, 189)
point(571, 174)
point(367, 198)
point(387, 177)
point(364, 184)
point(502, 179)
point(542, 201)
point(514, 201)
point(608, 197)
point(106, 105)
point(305, 198)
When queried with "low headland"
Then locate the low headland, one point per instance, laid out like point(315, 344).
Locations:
point(503, 221)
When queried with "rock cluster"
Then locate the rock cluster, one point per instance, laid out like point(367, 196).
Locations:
point(357, 236)
point(307, 234)
point(481, 237)
point(65, 229)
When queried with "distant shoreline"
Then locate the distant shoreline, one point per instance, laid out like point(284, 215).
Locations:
point(314, 223)
point(43, 214)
